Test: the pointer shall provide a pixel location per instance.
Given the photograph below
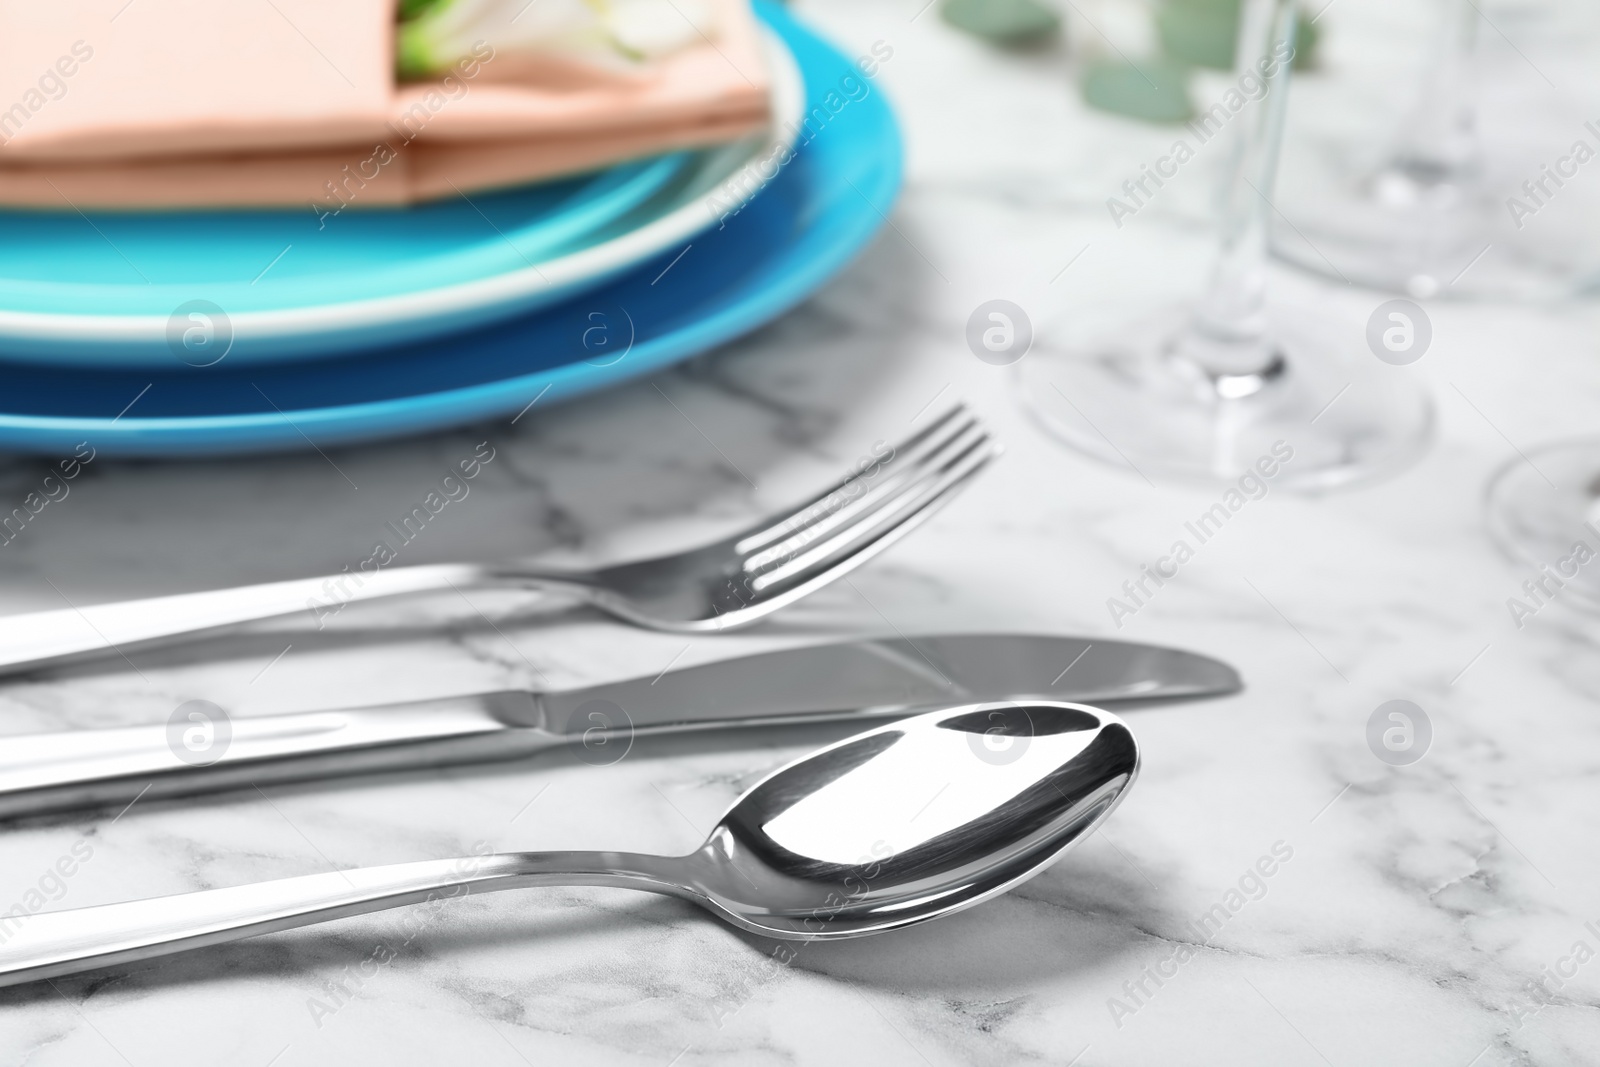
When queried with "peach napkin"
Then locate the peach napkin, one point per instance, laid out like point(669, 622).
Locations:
point(212, 103)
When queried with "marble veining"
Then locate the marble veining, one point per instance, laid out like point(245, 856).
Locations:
point(1411, 913)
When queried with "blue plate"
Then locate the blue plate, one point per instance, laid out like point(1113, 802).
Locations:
point(810, 220)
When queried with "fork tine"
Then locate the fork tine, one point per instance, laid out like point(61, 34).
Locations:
point(835, 497)
point(906, 481)
point(825, 565)
point(855, 545)
point(841, 494)
point(853, 509)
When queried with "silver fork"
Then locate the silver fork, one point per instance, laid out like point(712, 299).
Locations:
point(720, 586)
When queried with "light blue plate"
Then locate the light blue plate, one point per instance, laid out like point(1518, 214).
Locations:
point(146, 263)
point(100, 289)
point(809, 221)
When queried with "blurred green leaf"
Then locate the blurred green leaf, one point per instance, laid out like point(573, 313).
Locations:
point(1155, 90)
point(410, 9)
point(1306, 36)
point(1205, 33)
point(1009, 23)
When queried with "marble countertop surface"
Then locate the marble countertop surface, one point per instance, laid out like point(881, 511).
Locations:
point(1412, 913)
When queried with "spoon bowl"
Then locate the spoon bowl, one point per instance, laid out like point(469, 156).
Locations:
point(892, 827)
point(913, 820)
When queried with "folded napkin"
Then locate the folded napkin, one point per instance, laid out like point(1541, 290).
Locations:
point(167, 103)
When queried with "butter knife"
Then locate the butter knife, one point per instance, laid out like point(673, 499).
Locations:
point(203, 750)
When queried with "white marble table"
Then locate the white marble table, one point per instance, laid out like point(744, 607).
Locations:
point(1414, 908)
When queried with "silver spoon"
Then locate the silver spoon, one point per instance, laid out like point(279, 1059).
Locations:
point(892, 827)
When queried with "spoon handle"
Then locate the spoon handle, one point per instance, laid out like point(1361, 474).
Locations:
point(38, 946)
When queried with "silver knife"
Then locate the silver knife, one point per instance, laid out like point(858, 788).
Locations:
point(203, 750)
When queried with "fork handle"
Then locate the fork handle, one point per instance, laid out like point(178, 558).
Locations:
point(41, 638)
point(92, 768)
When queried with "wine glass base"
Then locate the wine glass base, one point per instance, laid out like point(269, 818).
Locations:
point(1540, 510)
point(1430, 233)
point(1316, 421)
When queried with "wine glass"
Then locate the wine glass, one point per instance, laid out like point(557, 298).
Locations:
point(1544, 511)
point(1436, 214)
point(1215, 392)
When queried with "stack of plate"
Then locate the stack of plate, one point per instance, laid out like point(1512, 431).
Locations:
point(208, 333)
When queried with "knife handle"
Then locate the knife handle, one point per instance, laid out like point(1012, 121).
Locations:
point(202, 751)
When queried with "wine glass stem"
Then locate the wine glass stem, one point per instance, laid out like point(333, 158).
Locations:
point(1230, 322)
point(1440, 135)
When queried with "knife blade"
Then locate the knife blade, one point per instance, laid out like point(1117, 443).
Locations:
point(857, 676)
point(201, 749)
